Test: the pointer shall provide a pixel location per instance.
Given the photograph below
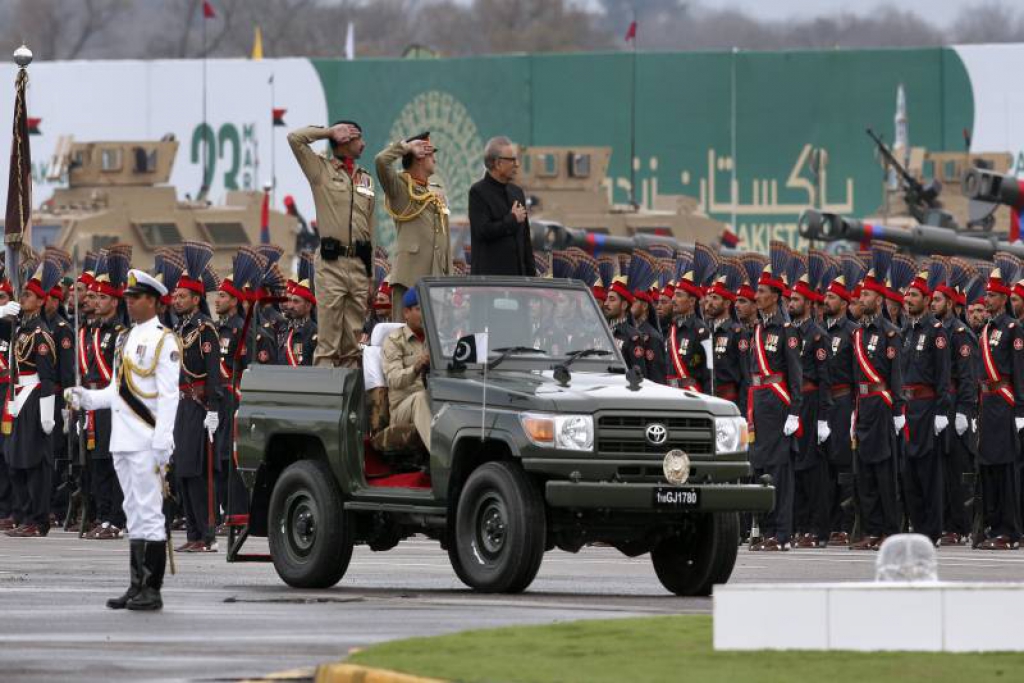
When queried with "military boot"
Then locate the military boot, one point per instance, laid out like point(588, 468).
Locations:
point(136, 555)
point(154, 562)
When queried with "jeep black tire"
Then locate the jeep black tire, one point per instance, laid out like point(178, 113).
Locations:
point(499, 530)
point(700, 555)
point(309, 532)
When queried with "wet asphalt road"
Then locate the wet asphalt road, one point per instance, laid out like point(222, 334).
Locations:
point(228, 622)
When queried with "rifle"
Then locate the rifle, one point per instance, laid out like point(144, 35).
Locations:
point(80, 418)
point(919, 198)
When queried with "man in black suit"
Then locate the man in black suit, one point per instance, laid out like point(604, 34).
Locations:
point(499, 227)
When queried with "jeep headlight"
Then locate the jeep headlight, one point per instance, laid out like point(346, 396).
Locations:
point(566, 432)
point(730, 434)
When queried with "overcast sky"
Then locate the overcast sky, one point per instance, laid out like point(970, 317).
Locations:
point(940, 12)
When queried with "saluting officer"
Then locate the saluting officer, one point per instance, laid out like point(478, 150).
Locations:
point(960, 444)
point(420, 211)
point(879, 414)
point(811, 492)
point(688, 338)
point(616, 311)
point(199, 400)
point(106, 292)
point(926, 376)
point(28, 449)
point(344, 197)
point(773, 408)
point(1001, 417)
point(301, 338)
point(731, 341)
point(143, 401)
point(840, 327)
point(63, 335)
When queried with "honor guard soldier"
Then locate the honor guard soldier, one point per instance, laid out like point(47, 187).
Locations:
point(199, 398)
point(1001, 417)
point(812, 485)
point(960, 442)
point(746, 307)
point(234, 292)
point(841, 279)
point(85, 279)
point(168, 265)
point(926, 378)
point(6, 330)
point(730, 338)
point(616, 311)
point(643, 272)
point(143, 402)
point(689, 339)
point(97, 356)
point(55, 317)
point(344, 197)
point(773, 403)
point(878, 418)
point(28, 449)
point(269, 325)
point(420, 212)
point(301, 338)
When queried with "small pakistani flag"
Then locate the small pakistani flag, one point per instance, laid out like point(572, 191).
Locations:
point(278, 116)
point(471, 349)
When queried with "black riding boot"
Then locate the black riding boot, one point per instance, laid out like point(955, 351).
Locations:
point(152, 577)
point(136, 555)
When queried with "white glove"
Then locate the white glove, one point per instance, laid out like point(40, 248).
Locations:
point(853, 426)
point(823, 431)
point(941, 422)
point(211, 422)
point(10, 310)
point(1019, 423)
point(900, 421)
point(46, 413)
point(792, 424)
point(164, 444)
point(960, 422)
point(65, 418)
point(73, 397)
point(163, 459)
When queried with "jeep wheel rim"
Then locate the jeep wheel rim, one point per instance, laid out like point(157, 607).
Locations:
point(491, 525)
point(300, 523)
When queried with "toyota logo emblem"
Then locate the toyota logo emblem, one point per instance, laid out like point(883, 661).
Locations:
point(657, 434)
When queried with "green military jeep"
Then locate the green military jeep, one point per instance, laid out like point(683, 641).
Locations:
point(545, 441)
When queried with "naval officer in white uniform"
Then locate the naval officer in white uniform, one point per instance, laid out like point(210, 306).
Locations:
point(143, 400)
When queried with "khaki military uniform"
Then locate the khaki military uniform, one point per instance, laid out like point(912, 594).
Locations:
point(407, 395)
point(421, 221)
point(344, 211)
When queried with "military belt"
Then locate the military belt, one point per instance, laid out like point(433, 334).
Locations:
point(912, 392)
point(990, 387)
point(727, 390)
point(840, 390)
point(808, 387)
point(764, 380)
point(868, 388)
point(195, 391)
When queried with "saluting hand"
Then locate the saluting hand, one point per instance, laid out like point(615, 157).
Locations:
point(343, 132)
point(419, 148)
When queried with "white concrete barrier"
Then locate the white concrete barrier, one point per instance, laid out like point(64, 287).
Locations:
point(931, 617)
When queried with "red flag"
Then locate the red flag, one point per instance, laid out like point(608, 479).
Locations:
point(631, 31)
point(730, 239)
point(208, 12)
point(277, 116)
point(33, 126)
point(265, 219)
point(1014, 225)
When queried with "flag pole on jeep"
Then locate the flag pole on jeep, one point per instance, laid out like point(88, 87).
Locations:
point(19, 185)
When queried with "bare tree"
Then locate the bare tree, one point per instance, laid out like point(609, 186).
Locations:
point(990, 22)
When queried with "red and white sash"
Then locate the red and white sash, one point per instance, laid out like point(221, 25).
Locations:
point(292, 360)
point(866, 367)
point(101, 363)
point(677, 359)
point(766, 370)
point(990, 366)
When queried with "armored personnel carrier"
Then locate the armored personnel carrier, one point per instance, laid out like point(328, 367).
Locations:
point(118, 191)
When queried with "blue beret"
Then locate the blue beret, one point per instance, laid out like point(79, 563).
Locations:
point(410, 299)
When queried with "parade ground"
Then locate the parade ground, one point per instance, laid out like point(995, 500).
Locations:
point(229, 622)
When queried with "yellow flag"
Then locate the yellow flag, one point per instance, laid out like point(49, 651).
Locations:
point(257, 44)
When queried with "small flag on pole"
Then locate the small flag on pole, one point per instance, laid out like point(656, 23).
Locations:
point(631, 31)
point(471, 349)
point(33, 126)
point(208, 12)
point(257, 44)
point(278, 116)
point(265, 219)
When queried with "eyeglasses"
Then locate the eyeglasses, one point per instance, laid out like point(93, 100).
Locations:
point(514, 160)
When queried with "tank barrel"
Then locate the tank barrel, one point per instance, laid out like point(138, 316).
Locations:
point(988, 186)
point(923, 240)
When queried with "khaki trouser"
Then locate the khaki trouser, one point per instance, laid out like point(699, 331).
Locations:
point(397, 307)
point(414, 409)
point(341, 295)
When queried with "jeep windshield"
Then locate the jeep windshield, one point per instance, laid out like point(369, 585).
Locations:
point(530, 322)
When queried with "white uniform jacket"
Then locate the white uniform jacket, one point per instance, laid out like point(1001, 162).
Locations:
point(147, 364)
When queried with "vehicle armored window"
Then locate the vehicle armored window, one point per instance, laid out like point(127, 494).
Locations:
point(159, 234)
point(226, 234)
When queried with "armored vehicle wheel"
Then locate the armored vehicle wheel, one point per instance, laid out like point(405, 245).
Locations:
point(499, 530)
point(310, 534)
point(700, 555)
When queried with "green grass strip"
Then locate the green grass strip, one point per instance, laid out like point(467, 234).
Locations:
point(670, 649)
